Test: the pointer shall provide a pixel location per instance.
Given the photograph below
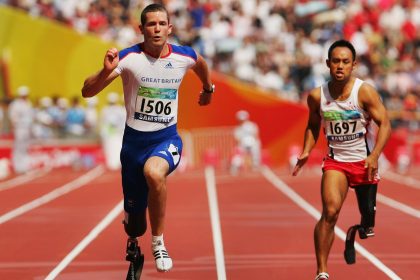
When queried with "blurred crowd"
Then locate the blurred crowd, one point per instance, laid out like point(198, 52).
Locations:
point(278, 45)
point(58, 117)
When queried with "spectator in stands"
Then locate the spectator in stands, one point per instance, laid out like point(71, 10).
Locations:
point(248, 145)
point(75, 119)
point(411, 105)
point(21, 117)
point(112, 122)
point(92, 117)
point(395, 106)
point(42, 128)
point(56, 114)
point(2, 116)
point(60, 116)
point(243, 60)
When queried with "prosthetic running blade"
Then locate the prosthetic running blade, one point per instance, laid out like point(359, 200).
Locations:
point(350, 252)
point(136, 259)
point(135, 269)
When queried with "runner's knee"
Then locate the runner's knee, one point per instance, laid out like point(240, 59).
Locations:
point(135, 225)
point(155, 181)
point(155, 177)
point(330, 215)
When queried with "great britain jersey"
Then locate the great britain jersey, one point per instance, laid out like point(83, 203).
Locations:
point(151, 85)
point(348, 128)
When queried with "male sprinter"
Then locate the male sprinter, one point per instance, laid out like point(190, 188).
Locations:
point(151, 72)
point(346, 107)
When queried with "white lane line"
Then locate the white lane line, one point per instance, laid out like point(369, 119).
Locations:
point(86, 241)
point(71, 186)
point(215, 223)
point(14, 182)
point(302, 203)
point(398, 205)
point(401, 179)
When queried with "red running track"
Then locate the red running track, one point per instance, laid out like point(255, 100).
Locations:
point(265, 233)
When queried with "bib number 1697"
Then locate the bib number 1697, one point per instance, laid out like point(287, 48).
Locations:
point(342, 127)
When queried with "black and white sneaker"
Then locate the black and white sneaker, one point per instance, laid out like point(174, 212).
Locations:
point(162, 259)
point(366, 232)
point(136, 259)
point(322, 276)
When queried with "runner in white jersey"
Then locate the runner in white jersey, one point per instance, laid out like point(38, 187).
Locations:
point(151, 85)
point(152, 72)
point(21, 116)
point(348, 128)
point(346, 108)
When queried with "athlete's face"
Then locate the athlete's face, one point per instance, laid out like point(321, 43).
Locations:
point(156, 29)
point(341, 63)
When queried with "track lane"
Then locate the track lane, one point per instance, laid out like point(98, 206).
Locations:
point(264, 234)
point(12, 198)
point(42, 237)
point(393, 245)
point(187, 236)
point(400, 192)
point(18, 180)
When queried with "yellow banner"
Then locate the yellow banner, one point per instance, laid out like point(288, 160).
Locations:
point(49, 57)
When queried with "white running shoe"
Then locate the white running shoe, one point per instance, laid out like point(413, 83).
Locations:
point(322, 276)
point(162, 259)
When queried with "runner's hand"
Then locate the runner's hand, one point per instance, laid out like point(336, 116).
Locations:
point(111, 59)
point(371, 163)
point(205, 96)
point(302, 159)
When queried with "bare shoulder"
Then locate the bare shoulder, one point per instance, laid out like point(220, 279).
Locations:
point(314, 97)
point(368, 95)
point(200, 60)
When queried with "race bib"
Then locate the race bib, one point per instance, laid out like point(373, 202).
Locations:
point(343, 126)
point(155, 104)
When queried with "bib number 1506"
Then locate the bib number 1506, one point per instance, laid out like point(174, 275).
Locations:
point(156, 107)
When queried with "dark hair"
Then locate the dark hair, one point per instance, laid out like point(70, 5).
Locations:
point(342, 43)
point(152, 8)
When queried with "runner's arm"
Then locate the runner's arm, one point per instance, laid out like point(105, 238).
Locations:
point(371, 103)
point(312, 129)
point(98, 81)
point(201, 69)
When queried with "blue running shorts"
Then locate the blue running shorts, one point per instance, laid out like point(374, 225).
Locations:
point(137, 147)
